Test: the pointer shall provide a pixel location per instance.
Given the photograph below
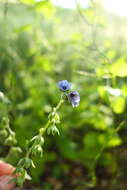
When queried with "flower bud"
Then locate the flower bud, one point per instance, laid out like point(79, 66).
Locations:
point(4, 123)
point(28, 163)
point(10, 141)
point(16, 150)
point(1, 96)
point(5, 120)
point(12, 134)
point(22, 176)
point(3, 134)
point(57, 118)
point(41, 131)
point(41, 141)
point(37, 140)
point(21, 163)
point(53, 129)
point(37, 150)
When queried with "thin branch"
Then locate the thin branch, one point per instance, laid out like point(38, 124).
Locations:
point(85, 20)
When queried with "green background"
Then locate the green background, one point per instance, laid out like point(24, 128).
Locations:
point(41, 44)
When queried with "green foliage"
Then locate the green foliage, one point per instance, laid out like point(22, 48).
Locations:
point(39, 45)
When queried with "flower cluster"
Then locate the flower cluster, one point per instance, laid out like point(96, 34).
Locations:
point(73, 96)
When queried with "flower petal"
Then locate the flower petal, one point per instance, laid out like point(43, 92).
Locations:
point(64, 85)
point(74, 98)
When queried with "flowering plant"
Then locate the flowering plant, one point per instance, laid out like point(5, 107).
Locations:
point(34, 145)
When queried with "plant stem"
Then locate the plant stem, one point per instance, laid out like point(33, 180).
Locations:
point(43, 130)
point(49, 122)
point(59, 104)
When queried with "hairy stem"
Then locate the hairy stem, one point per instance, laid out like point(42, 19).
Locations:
point(43, 130)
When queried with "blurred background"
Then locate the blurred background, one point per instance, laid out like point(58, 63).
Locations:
point(42, 42)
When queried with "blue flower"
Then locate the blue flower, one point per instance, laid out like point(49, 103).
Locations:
point(74, 98)
point(64, 85)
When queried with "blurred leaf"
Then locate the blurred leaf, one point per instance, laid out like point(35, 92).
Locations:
point(118, 104)
point(29, 2)
point(91, 140)
point(119, 68)
point(44, 63)
point(103, 93)
point(46, 8)
point(26, 27)
point(111, 54)
point(114, 141)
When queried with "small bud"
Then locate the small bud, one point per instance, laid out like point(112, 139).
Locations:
point(57, 118)
point(3, 134)
point(28, 163)
point(22, 177)
point(4, 123)
point(53, 113)
point(5, 120)
point(10, 141)
point(21, 163)
point(53, 129)
point(12, 134)
point(1, 96)
point(4, 99)
point(41, 141)
point(37, 140)
point(37, 150)
point(41, 130)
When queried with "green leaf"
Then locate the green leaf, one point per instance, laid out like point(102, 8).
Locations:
point(118, 104)
point(119, 68)
point(29, 2)
point(46, 8)
point(115, 140)
point(111, 54)
point(26, 27)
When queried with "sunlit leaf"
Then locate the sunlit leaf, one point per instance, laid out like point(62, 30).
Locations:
point(118, 104)
point(111, 54)
point(76, 37)
point(103, 92)
point(119, 68)
point(115, 140)
point(46, 8)
point(44, 63)
point(124, 90)
point(29, 2)
point(23, 28)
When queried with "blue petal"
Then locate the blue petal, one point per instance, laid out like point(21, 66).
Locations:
point(75, 104)
point(64, 85)
point(74, 98)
